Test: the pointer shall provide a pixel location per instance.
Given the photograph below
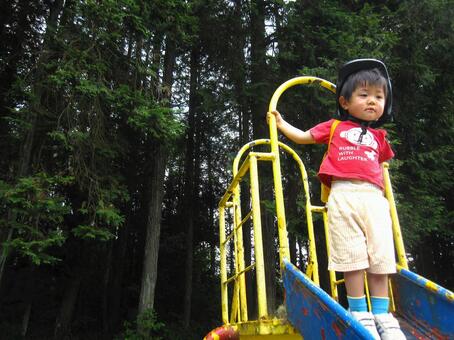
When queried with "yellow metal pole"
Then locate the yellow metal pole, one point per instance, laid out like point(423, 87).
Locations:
point(235, 303)
point(258, 241)
point(313, 262)
point(238, 218)
point(223, 267)
point(240, 255)
point(392, 304)
point(332, 273)
point(235, 315)
point(284, 251)
point(398, 241)
point(366, 288)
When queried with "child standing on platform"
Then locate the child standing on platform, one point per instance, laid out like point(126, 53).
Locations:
point(359, 221)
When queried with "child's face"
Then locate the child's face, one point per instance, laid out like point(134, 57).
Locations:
point(366, 103)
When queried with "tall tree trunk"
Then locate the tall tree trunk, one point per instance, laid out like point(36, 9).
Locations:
point(27, 148)
point(258, 110)
point(153, 229)
point(63, 324)
point(115, 296)
point(155, 192)
point(106, 297)
point(258, 69)
point(26, 318)
point(77, 260)
point(189, 196)
point(214, 239)
point(238, 76)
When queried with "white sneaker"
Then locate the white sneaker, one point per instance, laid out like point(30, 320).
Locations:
point(367, 320)
point(388, 327)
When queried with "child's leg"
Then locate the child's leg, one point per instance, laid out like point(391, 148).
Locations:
point(378, 288)
point(378, 284)
point(354, 284)
point(387, 325)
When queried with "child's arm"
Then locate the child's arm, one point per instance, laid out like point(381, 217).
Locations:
point(293, 133)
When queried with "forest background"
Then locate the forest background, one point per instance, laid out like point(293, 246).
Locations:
point(119, 121)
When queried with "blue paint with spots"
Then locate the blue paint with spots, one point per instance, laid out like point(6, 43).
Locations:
point(424, 309)
point(314, 313)
point(429, 310)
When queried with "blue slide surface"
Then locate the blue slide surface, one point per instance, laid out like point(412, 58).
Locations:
point(424, 309)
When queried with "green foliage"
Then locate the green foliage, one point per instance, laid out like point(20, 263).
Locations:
point(156, 121)
point(92, 232)
point(422, 63)
point(102, 216)
point(147, 327)
point(33, 209)
point(37, 250)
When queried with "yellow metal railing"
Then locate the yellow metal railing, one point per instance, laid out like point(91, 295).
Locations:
point(231, 201)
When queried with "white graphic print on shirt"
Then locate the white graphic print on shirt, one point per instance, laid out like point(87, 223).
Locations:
point(352, 135)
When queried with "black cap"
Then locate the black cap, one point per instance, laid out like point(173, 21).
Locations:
point(354, 66)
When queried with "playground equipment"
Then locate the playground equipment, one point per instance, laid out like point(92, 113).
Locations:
point(425, 310)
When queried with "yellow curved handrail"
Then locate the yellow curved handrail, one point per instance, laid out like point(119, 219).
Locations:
point(279, 196)
point(299, 81)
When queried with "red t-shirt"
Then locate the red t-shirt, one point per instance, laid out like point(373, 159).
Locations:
point(349, 159)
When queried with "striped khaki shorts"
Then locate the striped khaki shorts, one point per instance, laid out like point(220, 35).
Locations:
point(360, 229)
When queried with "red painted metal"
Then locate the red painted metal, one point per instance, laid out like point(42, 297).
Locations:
point(223, 333)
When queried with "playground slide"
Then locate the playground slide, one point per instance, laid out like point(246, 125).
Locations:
point(424, 309)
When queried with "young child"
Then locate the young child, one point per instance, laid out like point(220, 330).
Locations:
point(359, 220)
